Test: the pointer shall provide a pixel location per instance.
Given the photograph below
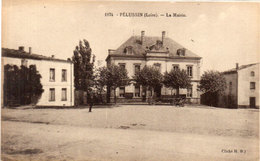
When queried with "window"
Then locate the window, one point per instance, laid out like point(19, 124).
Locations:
point(189, 71)
point(52, 94)
point(137, 68)
point(64, 75)
point(175, 67)
point(122, 92)
point(137, 91)
point(181, 52)
point(24, 62)
point(129, 50)
point(52, 74)
point(122, 65)
point(157, 66)
point(64, 94)
point(252, 74)
point(252, 85)
point(189, 92)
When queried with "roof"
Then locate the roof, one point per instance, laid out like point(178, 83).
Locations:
point(23, 54)
point(139, 48)
point(234, 70)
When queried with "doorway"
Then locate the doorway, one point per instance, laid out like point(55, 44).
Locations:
point(157, 90)
point(252, 102)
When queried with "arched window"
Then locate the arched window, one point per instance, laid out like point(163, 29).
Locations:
point(252, 74)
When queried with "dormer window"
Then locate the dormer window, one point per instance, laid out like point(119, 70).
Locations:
point(181, 52)
point(128, 50)
point(159, 44)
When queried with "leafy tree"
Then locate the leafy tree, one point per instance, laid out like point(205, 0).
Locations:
point(21, 86)
point(35, 86)
point(114, 76)
point(83, 66)
point(212, 83)
point(149, 77)
point(176, 79)
point(100, 80)
point(11, 85)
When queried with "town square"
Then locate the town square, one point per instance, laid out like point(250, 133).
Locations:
point(157, 132)
point(129, 81)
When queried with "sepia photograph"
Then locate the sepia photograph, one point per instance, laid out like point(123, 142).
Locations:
point(129, 80)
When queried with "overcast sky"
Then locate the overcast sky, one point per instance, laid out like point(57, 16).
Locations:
point(221, 33)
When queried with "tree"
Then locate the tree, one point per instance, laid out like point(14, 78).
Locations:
point(114, 76)
point(11, 85)
point(100, 80)
point(149, 77)
point(176, 79)
point(21, 86)
point(212, 83)
point(83, 61)
point(35, 86)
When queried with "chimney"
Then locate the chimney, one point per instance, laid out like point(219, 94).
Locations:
point(237, 66)
point(163, 36)
point(30, 50)
point(142, 36)
point(52, 56)
point(21, 48)
point(110, 51)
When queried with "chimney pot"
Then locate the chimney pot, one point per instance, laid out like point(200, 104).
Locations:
point(142, 37)
point(163, 36)
point(30, 50)
point(21, 48)
point(237, 65)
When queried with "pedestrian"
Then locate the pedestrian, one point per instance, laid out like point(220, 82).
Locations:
point(91, 102)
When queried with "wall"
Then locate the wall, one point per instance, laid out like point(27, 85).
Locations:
point(229, 97)
point(244, 91)
point(43, 66)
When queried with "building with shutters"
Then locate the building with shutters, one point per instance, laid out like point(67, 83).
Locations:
point(162, 52)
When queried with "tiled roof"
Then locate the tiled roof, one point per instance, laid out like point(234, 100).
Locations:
point(22, 54)
point(139, 49)
point(233, 70)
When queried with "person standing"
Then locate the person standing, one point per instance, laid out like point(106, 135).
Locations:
point(91, 102)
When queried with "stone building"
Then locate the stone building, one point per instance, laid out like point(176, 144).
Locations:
point(242, 87)
point(162, 52)
point(57, 76)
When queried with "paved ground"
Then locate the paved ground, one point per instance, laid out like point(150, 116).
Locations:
point(131, 133)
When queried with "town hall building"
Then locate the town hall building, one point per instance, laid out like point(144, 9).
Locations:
point(161, 52)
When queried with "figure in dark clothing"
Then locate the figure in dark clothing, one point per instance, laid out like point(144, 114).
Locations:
point(91, 102)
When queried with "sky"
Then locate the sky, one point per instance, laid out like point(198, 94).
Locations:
point(223, 34)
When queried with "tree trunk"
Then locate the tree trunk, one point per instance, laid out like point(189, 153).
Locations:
point(100, 95)
point(152, 95)
point(115, 95)
point(178, 92)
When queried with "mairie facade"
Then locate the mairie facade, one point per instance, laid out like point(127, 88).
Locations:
point(161, 52)
point(57, 76)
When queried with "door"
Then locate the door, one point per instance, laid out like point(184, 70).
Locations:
point(157, 90)
point(252, 102)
